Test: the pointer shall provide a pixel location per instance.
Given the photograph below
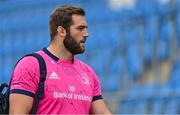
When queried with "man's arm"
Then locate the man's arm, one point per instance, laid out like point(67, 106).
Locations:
point(20, 104)
point(99, 107)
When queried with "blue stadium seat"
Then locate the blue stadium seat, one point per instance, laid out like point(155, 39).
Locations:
point(134, 63)
point(98, 60)
point(133, 60)
point(127, 106)
point(143, 91)
point(178, 28)
point(6, 46)
point(171, 106)
point(114, 36)
point(174, 75)
point(149, 39)
point(141, 106)
point(107, 67)
point(7, 69)
point(1, 73)
point(156, 105)
point(97, 7)
point(100, 38)
point(131, 35)
point(18, 44)
point(164, 40)
point(135, 92)
point(42, 38)
point(31, 42)
point(165, 90)
point(133, 106)
point(112, 81)
point(146, 7)
point(164, 7)
point(115, 67)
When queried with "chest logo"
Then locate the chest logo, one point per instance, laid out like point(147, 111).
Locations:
point(85, 79)
point(54, 76)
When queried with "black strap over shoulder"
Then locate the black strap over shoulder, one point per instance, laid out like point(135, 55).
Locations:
point(40, 90)
point(4, 97)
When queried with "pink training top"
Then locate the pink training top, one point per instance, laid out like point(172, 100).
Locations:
point(70, 86)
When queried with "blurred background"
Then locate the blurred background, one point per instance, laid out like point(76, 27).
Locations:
point(133, 46)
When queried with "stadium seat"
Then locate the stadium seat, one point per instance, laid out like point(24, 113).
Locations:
point(97, 7)
point(135, 92)
point(100, 38)
point(147, 7)
point(18, 45)
point(133, 106)
point(31, 45)
point(164, 7)
point(42, 38)
point(178, 28)
point(111, 83)
point(164, 40)
point(113, 78)
point(8, 66)
point(1, 74)
point(165, 90)
point(174, 75)
point(149, 39)
point(146, 91)
point(171, 105)
point(126, 106)
point(99, 60)
point(6, 46)
point(156, 105)
point(134, 63)
point(140, 106)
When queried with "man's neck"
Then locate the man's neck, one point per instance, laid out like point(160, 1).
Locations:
point(60, 52)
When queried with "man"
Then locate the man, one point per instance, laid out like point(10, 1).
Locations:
point(71, 87)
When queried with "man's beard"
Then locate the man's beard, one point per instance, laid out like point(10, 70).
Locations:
point(72, 45)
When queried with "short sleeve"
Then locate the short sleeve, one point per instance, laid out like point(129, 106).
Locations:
point(97, 88)
point(25, 77)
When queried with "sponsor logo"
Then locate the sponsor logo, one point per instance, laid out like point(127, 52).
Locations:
point(74, 96)
point(72, 88)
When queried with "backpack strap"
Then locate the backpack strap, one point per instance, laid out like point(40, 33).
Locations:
point(40, 91)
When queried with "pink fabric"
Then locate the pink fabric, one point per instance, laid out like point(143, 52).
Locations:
point(69, 87)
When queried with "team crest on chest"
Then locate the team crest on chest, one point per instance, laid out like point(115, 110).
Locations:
point(85, 79)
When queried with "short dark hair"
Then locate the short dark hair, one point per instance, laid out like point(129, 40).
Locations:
point(62, 16)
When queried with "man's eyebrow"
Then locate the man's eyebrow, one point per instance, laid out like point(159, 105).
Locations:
point(82, 26)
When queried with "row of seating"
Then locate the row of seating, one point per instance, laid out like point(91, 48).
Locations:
point(150, 99)
point(169, 105)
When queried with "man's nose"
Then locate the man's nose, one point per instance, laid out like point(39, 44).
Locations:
point(85, 34)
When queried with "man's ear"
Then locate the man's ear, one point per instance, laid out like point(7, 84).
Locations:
point(61, 31)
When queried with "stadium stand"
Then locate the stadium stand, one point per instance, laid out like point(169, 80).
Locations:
point(125, 47)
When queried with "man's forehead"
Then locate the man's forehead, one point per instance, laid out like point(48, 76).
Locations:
point(79, 20)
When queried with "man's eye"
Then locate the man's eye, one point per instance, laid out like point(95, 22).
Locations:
point(80, 29)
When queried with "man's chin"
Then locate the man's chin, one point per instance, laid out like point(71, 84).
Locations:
point(80, 52)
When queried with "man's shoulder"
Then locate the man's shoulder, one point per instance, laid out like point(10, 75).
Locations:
point(84, 65)
point(28, 61)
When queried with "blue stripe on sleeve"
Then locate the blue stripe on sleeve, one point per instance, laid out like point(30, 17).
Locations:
point(97, 97)
point(19, 91)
